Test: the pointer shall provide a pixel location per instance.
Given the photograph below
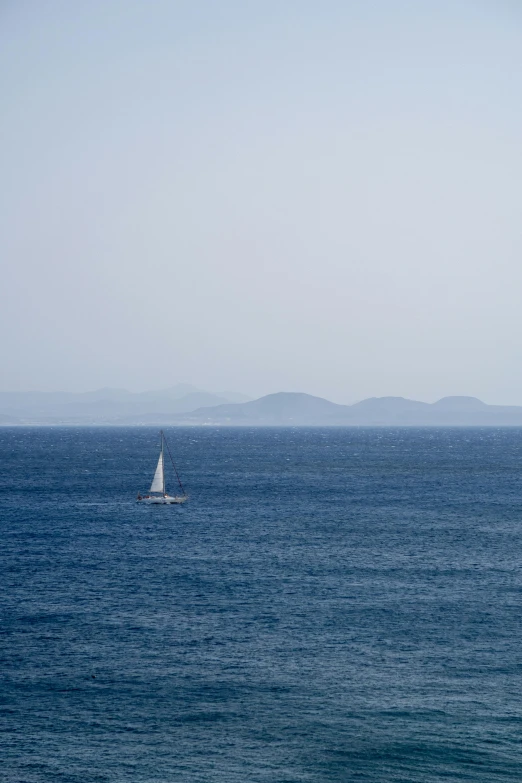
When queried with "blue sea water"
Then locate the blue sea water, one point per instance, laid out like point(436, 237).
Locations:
point(330, 605)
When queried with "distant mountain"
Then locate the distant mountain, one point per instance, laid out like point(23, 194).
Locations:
point(290, 408)
point(186, 405)
point(107, 406)
point(461, 404)
point(295, 409)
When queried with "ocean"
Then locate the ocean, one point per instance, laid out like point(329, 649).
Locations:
point(330, 605)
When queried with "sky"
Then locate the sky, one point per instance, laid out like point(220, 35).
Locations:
point(262, 195)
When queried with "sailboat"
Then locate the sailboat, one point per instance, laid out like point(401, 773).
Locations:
point(157, 493)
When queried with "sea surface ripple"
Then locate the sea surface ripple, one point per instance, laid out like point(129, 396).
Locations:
point(330, 605)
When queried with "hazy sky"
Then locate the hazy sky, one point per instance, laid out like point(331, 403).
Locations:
point(262, 195)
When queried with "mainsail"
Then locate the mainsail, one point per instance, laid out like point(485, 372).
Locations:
point(158, 482)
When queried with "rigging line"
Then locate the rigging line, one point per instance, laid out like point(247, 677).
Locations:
point(173, 465)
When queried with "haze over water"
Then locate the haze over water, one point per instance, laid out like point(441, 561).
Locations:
point(330, 606)
point(262, 196)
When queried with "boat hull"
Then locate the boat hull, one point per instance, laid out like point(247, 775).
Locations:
point(163, 500)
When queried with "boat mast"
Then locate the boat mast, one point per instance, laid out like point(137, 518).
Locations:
point(162, 461)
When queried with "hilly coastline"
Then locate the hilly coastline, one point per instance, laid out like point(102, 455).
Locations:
point(294, 409)
point(108, 406)
point(184, 405)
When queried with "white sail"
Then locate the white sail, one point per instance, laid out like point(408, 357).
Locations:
point(158, 480)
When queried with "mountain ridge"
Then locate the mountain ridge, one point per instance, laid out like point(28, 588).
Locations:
point(106, 405)
point(293, 408)
point(184, 405)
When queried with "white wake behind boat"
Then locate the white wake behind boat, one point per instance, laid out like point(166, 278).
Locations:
point(157, 493)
